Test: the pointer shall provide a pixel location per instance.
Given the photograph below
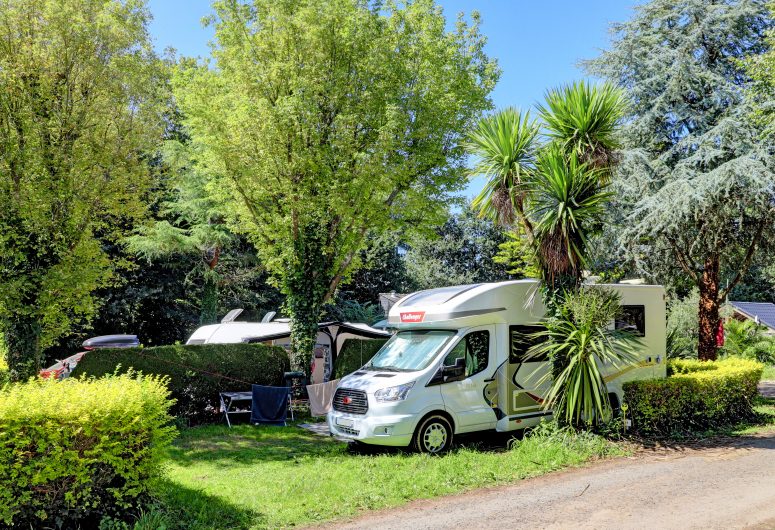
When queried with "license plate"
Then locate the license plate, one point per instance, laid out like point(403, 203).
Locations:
point(344, 422)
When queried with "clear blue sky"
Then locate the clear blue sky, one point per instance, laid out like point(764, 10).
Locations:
point(538, 43)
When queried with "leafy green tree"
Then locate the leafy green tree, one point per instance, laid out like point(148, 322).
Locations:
point(191, 223)
point(761, 92)
point(697, 179)
point(81, 95)
point(325, 121)
point(517, 255)
point(462, 252)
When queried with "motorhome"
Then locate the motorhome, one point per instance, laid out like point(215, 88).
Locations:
point(277, 332)
point(458, 364)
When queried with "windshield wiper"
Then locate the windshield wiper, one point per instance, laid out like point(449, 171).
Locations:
point(387, 368)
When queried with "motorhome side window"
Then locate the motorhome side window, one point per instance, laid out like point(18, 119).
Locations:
point(522, 338)
point(475, 348)
point(633, 318)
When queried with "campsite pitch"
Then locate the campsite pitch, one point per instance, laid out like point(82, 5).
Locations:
point(270, 477)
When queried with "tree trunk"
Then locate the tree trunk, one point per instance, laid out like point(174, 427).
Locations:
point(707, 349)
point(208, 313)
point(22, 340)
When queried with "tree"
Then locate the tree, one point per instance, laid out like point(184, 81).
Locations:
point(80, 93)
point(463, 251)
point(697, 179)
point(559, 184)
point(191, 223)
point(324, 122)
point(761, 92)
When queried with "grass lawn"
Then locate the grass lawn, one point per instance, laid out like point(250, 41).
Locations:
point(269, 477)
point(769, 373)
point(765, 422)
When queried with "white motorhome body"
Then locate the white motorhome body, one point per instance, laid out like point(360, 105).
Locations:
point(479, 333)
point(330, 338)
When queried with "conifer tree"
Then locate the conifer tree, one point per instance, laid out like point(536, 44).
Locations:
point(696, 180)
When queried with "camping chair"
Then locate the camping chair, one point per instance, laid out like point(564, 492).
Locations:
point(297, 397)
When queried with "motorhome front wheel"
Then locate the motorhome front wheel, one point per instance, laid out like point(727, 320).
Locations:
point(434, 435)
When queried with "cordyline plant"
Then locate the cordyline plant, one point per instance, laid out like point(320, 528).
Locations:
point(579, 340)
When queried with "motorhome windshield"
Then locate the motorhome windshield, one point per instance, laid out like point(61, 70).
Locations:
point(407, 351)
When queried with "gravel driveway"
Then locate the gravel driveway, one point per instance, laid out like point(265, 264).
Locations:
point(729, 485)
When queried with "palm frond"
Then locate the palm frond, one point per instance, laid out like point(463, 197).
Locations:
point(504, 147)
point(582, 118)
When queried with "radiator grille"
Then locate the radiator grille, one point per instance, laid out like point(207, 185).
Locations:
point(349, 400)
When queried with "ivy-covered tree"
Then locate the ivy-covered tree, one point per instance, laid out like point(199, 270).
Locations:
point(324, 121)
point(80, 109)
point(697, 179)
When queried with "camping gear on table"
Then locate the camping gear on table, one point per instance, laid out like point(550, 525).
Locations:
point(321, 396)
point(235, 403)
point(270, 404)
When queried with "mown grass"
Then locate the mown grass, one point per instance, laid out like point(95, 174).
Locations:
point(268, 477)
point(769, 373)
point(764, 421)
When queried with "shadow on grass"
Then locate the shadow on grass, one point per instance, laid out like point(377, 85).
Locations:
point(191, 509)
point(246, 444)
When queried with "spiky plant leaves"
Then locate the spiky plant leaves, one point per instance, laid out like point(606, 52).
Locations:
point(581, 341)
point(567, 203)
point(504, 148)
point(583, 119)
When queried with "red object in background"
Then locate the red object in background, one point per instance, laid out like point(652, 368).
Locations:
point(62, 368)
point(720, 333)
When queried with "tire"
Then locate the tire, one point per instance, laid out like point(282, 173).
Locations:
point(434, 435)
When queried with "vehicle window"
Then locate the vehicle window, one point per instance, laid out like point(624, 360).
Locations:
point(475, 349)
point(410, 350)
point(522, 339)
point(633, 319)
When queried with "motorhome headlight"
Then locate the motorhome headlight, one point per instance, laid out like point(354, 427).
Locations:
point(393, 393)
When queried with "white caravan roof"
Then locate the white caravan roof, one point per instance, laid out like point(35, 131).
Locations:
point(470, 305)
point(509, 302)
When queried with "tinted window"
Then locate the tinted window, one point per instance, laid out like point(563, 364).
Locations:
point(522, 339)
point(475, 349)
point(633, 318)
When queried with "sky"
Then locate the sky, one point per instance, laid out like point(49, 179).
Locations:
point(538, 43)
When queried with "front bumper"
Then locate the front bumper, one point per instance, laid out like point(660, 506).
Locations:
point(393, 430)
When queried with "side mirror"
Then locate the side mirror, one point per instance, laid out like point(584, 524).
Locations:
point(455, 372)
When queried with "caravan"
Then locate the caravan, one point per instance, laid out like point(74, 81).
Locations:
point(457, 364)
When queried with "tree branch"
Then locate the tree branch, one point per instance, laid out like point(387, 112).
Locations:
point(743, 269)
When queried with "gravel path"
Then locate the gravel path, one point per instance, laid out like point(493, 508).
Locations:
point(730, 485)
point(727, 485)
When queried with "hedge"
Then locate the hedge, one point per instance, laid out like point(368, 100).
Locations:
point(354, 354)
point(696, 396)
point(196, 373)
point(72, 451)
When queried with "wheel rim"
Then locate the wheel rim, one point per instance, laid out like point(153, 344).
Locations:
point(434, 438)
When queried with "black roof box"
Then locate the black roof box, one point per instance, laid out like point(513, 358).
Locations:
point(111, 341)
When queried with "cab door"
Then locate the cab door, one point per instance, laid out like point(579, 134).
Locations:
point(465, 397)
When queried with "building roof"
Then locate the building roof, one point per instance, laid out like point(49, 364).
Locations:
point(764, 312)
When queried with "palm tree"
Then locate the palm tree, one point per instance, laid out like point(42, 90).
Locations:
point(504, 146)
point(567, 204)
point(583, 118)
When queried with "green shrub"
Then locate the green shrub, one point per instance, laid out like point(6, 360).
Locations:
point(748, 340)
point(354, 354)
point(73, 451)
point(196, 373)
point(699, 395)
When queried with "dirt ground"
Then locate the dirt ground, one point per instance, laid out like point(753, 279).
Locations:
point(727, 483)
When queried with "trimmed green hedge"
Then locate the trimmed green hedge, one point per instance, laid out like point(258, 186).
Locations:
point(354, 354)
point(72, 451)
point(696, 396)
point(196, 373)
